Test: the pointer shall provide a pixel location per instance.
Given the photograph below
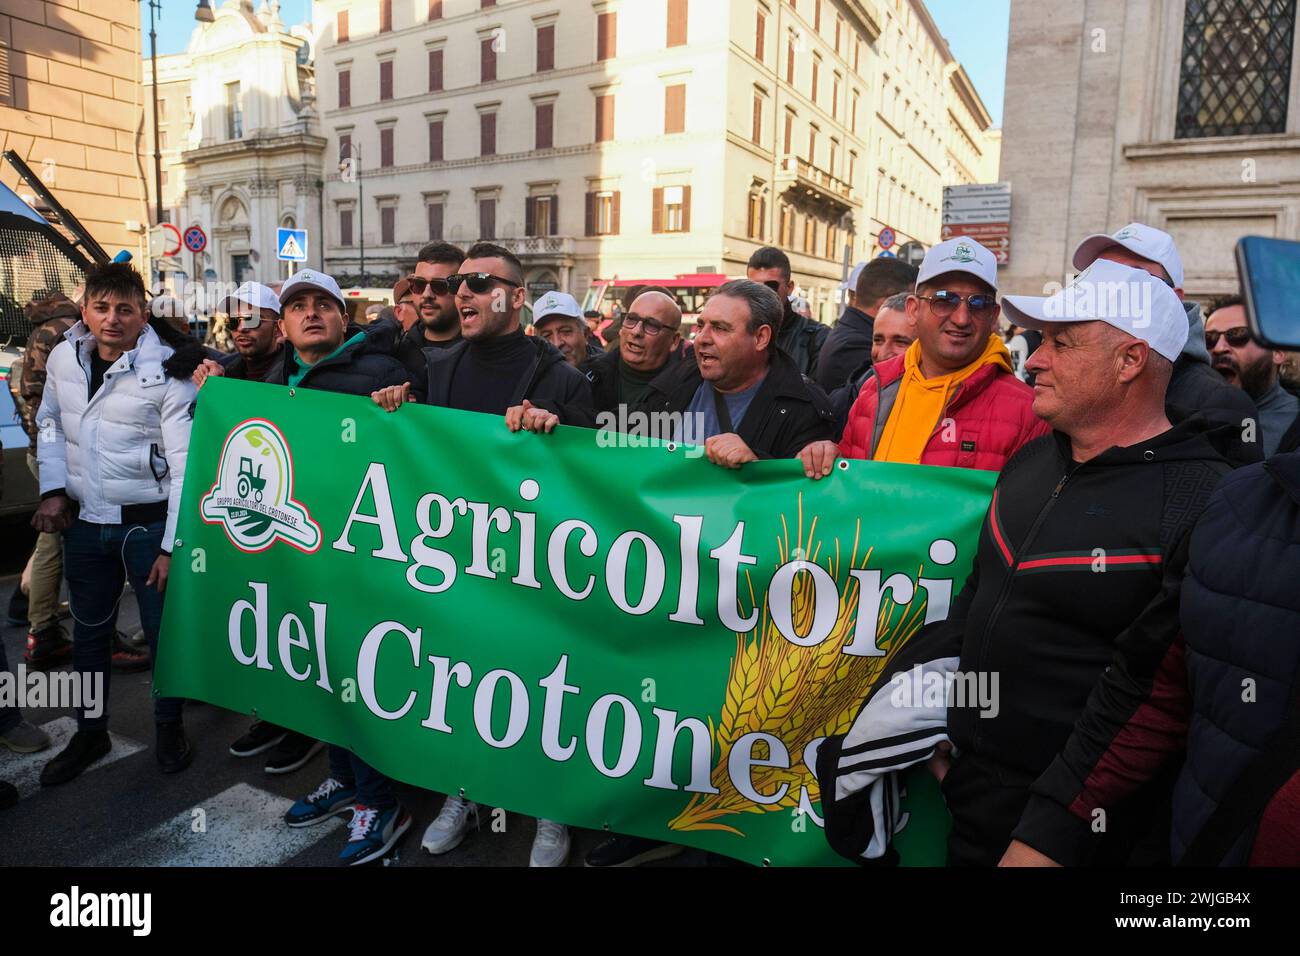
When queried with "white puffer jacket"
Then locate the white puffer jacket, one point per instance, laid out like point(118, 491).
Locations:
point(125, 446)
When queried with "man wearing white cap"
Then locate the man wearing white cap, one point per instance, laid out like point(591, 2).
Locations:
point(1195, 385)
point(848, 346)
point(952, 398)
point(558, 319)
point(253, 321)
point(1072, 602)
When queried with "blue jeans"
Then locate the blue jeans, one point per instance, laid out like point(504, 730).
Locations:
point(373, 788)
point(10, 715)
point(97, 560)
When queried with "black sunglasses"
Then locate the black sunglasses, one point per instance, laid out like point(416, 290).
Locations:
point(945, 303)
point(478, 282)
point(437, 286)
point(251, 323)
point(1236, 337)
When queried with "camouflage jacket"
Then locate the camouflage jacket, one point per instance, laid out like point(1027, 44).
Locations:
point(50, 317)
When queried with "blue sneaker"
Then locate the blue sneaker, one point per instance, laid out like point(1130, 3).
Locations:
point(373, 833)
point(325, 801)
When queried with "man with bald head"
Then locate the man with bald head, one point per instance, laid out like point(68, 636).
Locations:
point(648, 339)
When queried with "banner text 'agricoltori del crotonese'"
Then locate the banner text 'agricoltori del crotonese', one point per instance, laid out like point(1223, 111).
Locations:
point(627, 637)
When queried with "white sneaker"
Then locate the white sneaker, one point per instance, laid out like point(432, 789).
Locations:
point(551, 845)
point(447, 831)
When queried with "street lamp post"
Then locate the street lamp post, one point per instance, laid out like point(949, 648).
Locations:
point(157, 150)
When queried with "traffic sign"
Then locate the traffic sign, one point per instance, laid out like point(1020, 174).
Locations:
point(164, 240)
point(913, 253)
point(886, 238)
point(291, 245)
point(196, 240)
point(886, 254)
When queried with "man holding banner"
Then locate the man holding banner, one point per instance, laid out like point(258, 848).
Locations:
point(1071, 610)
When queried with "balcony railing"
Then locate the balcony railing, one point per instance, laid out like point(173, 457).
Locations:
point(539, 245)
point(797, 170)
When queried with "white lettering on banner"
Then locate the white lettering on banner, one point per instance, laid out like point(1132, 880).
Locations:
point(368, 663)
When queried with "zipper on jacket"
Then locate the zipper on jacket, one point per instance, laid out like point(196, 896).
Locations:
point(1005, 591)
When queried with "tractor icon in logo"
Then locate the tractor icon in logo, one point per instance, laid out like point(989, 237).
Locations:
point(963, 253)
point(252, 497)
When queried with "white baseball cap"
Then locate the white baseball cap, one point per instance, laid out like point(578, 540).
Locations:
point(555, 305)
point(1132, 300)
point(254, 294)
point(311, 279)
point(1139, 239)
point(961, 254)
point(851, 283)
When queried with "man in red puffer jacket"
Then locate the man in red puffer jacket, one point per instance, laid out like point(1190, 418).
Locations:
point(952, 398)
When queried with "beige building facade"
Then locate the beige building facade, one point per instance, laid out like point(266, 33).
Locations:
point(637, 139)
point(1182, 115)
point(241, 145)
point(70, 106)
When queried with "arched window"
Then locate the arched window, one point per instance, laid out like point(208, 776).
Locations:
point(1236, 67)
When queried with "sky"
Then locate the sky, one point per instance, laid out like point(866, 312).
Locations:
point(976, 31)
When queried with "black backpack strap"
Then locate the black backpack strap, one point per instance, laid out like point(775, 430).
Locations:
point(1244, 802)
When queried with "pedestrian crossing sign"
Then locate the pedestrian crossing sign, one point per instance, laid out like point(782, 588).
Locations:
point(291, 245)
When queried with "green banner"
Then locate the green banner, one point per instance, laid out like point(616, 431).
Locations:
point(595, 629)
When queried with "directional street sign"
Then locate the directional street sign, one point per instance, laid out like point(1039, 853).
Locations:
point(195, 238)
point(291, 245)
point(981, 211)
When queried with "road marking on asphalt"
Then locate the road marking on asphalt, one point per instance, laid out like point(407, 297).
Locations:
point(24, 770)
point(240, 826)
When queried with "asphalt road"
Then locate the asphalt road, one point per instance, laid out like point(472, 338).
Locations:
point(222, 810)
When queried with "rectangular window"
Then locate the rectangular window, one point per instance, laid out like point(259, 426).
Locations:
point(787, 227)
point(546, 48)
point(857, 55)
point(345, 147)
point(544, 126)
point(341, 26)
point(385, 16)
point(345, 227)
point(435, 141)
point(541, 215)
point(757, 215)
point(671, 209)
point(487, 218)
point(812, 145)
point(487, 134)
point(386, 146)
point(387, 225)
point(675, 108)
point(603, 213)
point(162, 139)
point(760, 36)
point(789, 132)
point(853, 113)
point(835, 97)
point(487, 72)
point(385, 80)
point(676, 23)
point(434, 212)
point(487, 3)
point(810, 235)
point(435, 71)
point(345, 88)
point(789, 60)
point(816, 71)
point(435, 9)
point(234, 113)
point(604, 117)
point(839, 29)
point(756, 130)
point(606, 36)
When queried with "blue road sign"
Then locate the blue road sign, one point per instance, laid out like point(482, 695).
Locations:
point(195, 239)
point(886, 238)
point(291, 245)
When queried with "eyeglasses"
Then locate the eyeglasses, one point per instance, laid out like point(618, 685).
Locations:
point(649, 326)
point(774, 285)
point(436, 286)
point(1236, 337)
point(945, 303)
point(247, 323)
point(478, 282)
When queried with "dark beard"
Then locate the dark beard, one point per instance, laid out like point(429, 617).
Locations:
point(440, 322)
point(1257, 377)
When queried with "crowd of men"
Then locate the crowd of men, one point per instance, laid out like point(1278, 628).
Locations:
point(1133, 586)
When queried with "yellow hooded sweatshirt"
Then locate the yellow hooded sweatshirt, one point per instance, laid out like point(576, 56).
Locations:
point(921, 401)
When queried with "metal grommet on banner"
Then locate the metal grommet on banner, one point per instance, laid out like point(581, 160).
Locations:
point(1149, 455)
point(178, 543)
point(461, 792)
point(671, 446)
point(843, 464)
point(766, 861)
point(292, 392)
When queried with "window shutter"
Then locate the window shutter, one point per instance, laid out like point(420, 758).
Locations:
point(686, 209)
point(435, 9)
point(675, 108)
point(657, 210)
point(386, 147)
point(555, 216)
point(435, 71)
point(544, 137)
point(545, 48)
point(345, 88)
point(590, 229)
point(341, 32)
point(757, 135)
point(760, 37)
point(385, 15)
point(762, 217)
point(435, 142)
point(345, 227)
point(677, 22)
point(488, 61)
point(488, 134)
point(614, 216)
point(530, 217)
point(386, 80)
point(606, 36)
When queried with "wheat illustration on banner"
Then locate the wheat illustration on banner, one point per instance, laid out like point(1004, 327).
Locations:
point(796, 694)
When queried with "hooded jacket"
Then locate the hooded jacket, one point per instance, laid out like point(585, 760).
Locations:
point(992, 410)
point(127, 444)
point(787, 412)
point(1073, 602)
point(1197, 387)
point(846, 349)
point(549, 382)
point(359, 369)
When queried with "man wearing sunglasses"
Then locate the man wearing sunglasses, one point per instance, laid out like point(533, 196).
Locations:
point(1246, 365)
point(952, 398)
point(799, 336)
point(1195, 387)
point(253, 321)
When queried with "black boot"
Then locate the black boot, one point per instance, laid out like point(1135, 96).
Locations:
point(85, 747)
point(173, 747)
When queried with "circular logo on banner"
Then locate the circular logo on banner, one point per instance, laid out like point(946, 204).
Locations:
point(252, 497)
point(195, 239)
point(886, 238)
